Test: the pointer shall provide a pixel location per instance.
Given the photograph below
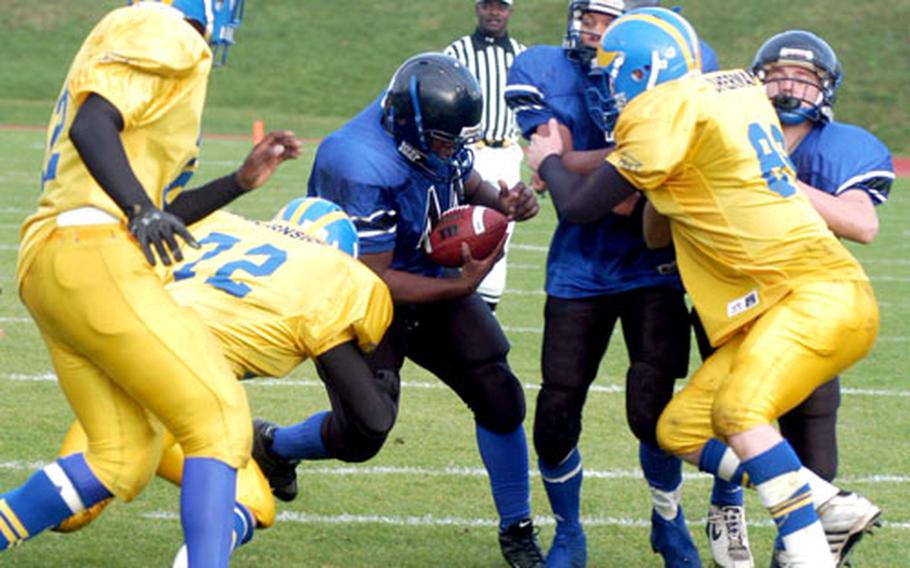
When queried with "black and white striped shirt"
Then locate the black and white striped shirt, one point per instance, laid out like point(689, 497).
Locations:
point(488, 59)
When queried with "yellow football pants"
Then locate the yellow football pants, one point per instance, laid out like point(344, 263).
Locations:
point(252, 487)
point(129, 359)
point(759, 374)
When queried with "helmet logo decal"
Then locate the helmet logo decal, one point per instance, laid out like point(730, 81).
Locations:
point(803, 54)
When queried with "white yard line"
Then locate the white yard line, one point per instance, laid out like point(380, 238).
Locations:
point(434, 521)
point(309, 383)
point(452, 471)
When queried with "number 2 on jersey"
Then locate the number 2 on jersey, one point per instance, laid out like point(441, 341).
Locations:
point(221, 279)
point(773, 160)
point(50, 168)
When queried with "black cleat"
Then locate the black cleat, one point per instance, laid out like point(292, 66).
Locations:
point(281, 472)
point(519, 546)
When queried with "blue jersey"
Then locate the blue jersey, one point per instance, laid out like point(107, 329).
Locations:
point(836, 157)
point(709, 63)
point(392, 202)
point(606, 257)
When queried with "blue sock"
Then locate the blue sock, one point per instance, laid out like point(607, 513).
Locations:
point(506, 459)
point(719, 460)
point(244, 526)
point(775, 474)
point(49, 496)
point(662, 470)
point(563, 485)
point(206, 511)
point(302, 440)
point(726, 494)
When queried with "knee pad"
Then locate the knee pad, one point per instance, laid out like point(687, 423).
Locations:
point(390, 385)
point(354, 445)
point(648, 390)
point(498, 400)
point(557, 423)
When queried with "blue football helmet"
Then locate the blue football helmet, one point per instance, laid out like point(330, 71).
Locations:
point(219, 18)
point(571, 40)
point(434, 97)
point(322, 219)
point(803, 49)
point(640, 50)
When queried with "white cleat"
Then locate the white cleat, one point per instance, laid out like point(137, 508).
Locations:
point(729, 537)
point(846, 518)
point(181, 560)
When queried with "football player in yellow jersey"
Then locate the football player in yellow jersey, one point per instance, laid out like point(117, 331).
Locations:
point(783, 301)
point(273, 296)
point(122, 139)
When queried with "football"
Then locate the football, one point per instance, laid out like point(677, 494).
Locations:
point(481, 227)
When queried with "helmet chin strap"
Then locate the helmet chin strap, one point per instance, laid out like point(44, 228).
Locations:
point(791, 112)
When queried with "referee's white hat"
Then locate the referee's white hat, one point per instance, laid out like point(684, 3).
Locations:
point(509, 2)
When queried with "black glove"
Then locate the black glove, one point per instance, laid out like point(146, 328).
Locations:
point(153, 227)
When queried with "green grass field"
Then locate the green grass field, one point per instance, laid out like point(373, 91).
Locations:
point(309, 64)
point(424, 500)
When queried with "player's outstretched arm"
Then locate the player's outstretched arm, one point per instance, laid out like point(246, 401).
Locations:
point(95, 133)
point(257, 168)
point(265, 157)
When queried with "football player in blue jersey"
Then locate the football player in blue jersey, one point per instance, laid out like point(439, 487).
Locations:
point(121, 147)
point(597, 274)
point(395, 168)
point(846, 172)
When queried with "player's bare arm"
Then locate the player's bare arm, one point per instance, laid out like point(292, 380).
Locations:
point(850, 215)
point(408, 287)
point(265, 157)
point(518, 203)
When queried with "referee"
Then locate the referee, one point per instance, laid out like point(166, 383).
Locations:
point(488, 53)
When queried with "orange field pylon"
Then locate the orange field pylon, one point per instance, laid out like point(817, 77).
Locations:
point(258, 131)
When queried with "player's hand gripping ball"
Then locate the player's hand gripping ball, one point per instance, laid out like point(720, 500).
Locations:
point(480, 227)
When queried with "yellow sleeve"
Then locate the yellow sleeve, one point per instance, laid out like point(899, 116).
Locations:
point(652, 138)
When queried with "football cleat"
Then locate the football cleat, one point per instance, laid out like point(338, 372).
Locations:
point(569, 549)
point(281, 472)
point(671, 539)
point(728, 537)
point(846, 518)
point(519, 546)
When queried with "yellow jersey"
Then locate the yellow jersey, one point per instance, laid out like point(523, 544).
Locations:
point(274, 297)
point(153, 67)
point(709, 153)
